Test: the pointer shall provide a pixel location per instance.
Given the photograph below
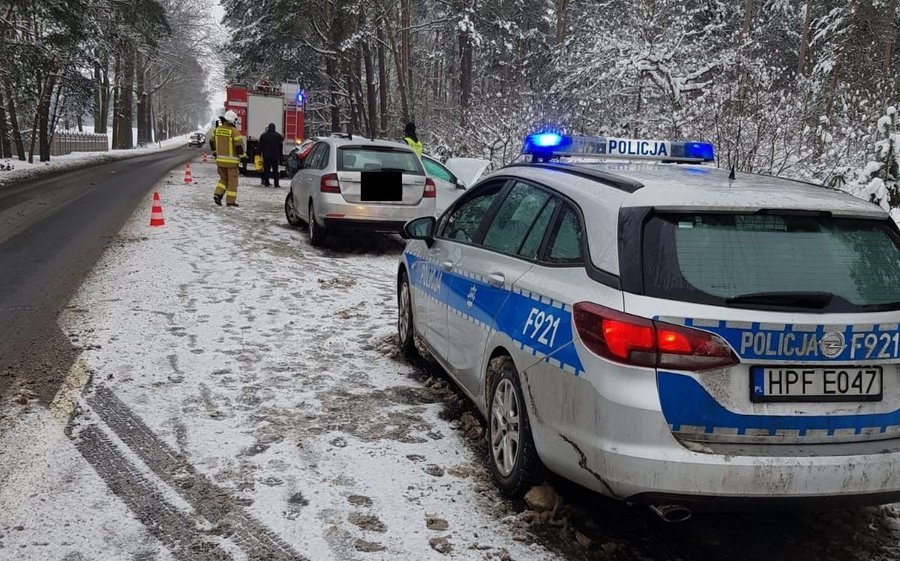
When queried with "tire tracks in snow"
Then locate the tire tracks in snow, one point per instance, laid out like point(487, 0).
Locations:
point(166, 522)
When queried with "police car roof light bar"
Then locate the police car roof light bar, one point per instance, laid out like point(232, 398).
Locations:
point(546, 145)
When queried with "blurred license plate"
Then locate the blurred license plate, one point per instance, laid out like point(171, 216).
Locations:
point(381, 186)
point(816, 383)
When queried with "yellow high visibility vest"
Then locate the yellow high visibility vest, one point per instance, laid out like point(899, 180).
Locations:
point(228, 139)
point(416, 145)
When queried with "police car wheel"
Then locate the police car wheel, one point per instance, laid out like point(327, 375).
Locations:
point(514, 461)
point(290, 210)
point(405, 329)
point(316, 232)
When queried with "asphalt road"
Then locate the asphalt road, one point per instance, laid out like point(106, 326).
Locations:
point(52, 231)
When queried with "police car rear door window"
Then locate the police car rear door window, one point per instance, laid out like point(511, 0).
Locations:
point(515, 218)
point(565, 245)
point(773, 260)
point(532, 244)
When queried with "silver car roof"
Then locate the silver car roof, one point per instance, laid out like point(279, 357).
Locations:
point(679, 187)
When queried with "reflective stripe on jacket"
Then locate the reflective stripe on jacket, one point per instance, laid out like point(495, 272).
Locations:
point(415, 145)
point(229, 146)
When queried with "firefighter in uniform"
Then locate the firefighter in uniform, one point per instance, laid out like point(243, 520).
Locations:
point(228, 147)
point(409, 137)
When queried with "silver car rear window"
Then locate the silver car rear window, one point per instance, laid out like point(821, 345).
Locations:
point(364, 158)
point(716, 258)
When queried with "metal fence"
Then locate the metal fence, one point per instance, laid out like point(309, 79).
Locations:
point(66, 142)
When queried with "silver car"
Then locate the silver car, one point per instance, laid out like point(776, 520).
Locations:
point(449, 183)
point(667, 334)
point(356, 183)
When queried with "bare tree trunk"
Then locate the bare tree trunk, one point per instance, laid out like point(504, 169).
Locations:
point(889, 34)
point(331, 70)
point(13, 120)
point(140, 73)
point(115, 100)
point(148, 126)
point(43, 118)
point(57, 112)
point(126, 97)
point(5, 147)
point(370, 88)
point(803, 53)
point(401, 80)
point(383, 85)
point(749, 13)
point(405, 23)
point(562, 20)
point(465, 74)
point(105, 93)
point(37, 116)
point(79, 123)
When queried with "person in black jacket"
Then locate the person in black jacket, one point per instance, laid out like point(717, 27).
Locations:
point(270, 147)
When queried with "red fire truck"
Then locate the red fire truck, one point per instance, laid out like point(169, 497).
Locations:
point(257, 106)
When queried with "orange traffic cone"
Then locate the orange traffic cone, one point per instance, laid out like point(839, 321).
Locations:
point(204, 157)
point(187, 174)
point(156, 215)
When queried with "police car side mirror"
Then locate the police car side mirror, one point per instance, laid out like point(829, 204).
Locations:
point(419, 229)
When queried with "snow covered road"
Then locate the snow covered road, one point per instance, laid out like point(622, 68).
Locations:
point(244, 400)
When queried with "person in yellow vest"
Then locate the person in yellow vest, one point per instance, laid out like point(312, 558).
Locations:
point(409, 137)
point(228, 147)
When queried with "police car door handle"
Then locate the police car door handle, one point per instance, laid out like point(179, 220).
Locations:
point(447, 265)
point(496, 280)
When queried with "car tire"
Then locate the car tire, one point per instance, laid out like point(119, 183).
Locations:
point(290, 210)
point(406, 330)
point(516, 467)
point(316, 233)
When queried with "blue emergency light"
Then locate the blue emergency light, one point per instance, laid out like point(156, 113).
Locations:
point(300, 97)
point(546, 145)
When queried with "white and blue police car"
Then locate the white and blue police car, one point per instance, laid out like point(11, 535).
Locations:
point(666, 333)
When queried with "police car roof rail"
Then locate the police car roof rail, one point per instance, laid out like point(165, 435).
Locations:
point(616, 181)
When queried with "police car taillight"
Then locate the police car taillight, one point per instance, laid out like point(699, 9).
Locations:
point(330, 183)
point(638, 341)
point(430, 189)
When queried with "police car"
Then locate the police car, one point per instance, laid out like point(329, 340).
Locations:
point(666, 333)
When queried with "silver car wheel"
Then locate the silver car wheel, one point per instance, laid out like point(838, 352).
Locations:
point(505, 427)
point(403, 319)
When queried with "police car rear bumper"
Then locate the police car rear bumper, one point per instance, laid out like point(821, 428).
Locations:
point(658, 469)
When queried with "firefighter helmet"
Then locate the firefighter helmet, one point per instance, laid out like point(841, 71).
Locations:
point(231, 117)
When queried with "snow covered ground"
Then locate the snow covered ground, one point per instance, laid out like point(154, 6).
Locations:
point(239, 396)
point(24, 170)
point(249, 384)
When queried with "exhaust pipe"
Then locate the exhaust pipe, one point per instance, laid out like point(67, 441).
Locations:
point(672, 513)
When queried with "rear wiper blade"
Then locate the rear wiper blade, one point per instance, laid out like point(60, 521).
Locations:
point(797, 299)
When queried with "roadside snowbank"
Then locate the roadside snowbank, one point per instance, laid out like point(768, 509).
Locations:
point(25, 171)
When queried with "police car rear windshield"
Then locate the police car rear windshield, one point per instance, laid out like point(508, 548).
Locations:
point(773, 261)
point(376, 158)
